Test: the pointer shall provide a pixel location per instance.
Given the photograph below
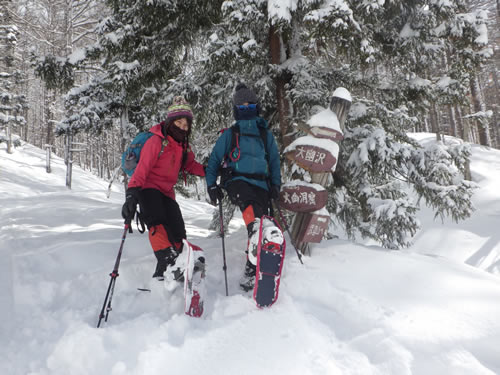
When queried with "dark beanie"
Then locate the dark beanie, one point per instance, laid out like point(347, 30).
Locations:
point(242, 94)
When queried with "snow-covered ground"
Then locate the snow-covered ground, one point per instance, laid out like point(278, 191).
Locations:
point(350, 309)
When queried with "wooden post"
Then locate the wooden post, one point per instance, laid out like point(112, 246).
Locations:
point(9, 135)
point(301, 230)
point(340, 105)
point(69, 159)
point(48, 149)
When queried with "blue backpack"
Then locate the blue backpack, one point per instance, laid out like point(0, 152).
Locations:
point(130, 157)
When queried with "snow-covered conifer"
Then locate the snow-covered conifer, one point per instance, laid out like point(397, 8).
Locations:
point(12, 100)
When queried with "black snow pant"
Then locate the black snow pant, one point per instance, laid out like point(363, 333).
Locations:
point(244, 194)
point(163, 217)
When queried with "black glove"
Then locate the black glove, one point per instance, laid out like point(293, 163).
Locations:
point(130, 205)
point(215, 193)
point(275, 192)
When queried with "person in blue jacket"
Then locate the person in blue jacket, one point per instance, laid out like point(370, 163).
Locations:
point(247, 157)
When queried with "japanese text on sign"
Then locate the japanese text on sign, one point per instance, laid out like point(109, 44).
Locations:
point(310, 155)
point(303, 197)
point(315, 230)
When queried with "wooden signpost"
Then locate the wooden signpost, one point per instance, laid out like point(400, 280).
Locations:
point(325, 124)
point(303, 197)
point(314, 227)
point(321, 132)
point(312, 155)
point(317, 153)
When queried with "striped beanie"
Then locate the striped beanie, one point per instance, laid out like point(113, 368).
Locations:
point(179, 108)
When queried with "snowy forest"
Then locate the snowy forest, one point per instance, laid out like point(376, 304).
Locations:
point(87, 75)
point(404, 280)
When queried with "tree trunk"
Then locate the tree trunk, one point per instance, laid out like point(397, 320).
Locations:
point(496, 99)
point(276, 46)
point(48, 117)
point(496, 132)
point(453, 121)
point(69, 158)
point(124, 125)
point(426, 124)
point(434, 121)
point(480, 107)
point(458, 119)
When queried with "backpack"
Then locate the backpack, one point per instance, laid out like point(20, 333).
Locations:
point(130, 157)
point(235, 153)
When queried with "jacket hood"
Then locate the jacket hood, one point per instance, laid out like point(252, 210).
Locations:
point(261, 122)
point(157, 129)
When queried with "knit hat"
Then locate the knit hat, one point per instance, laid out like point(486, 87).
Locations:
point(242, 94)
point(179, 108)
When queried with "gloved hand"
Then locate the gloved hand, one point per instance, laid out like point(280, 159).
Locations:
point(275, 192)
point(130, 205)
point(215, 193)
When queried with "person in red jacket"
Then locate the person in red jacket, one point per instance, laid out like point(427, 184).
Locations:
point(151, 186)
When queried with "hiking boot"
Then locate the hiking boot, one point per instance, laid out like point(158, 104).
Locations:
point(248, 280)
point(165, 257)
point(253, 227)
point(253, 240)
point(198, 271)
point(178, 274)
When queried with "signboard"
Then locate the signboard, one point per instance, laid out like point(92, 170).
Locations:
point(328, 133)
point(302, 198)
point(313, 158)
point(313, 228)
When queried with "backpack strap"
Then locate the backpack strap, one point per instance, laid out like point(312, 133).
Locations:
point(234, 150)
point(139, 221)
point(263, 136)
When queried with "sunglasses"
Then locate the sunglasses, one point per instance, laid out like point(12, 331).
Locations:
point(247, 107)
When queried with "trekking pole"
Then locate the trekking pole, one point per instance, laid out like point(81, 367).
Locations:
point(224, 267)
point(114, 274)
point(288, 230)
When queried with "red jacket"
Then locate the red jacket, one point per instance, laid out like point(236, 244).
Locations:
point(161, 173)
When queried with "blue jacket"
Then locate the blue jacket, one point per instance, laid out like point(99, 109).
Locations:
point(252, 157)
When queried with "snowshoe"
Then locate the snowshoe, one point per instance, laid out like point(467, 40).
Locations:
point(270, 257)
point(194, 280)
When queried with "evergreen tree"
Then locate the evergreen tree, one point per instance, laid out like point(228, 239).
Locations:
point(12, 102)
point(140, 46)
point(382, 168)
point(295, 55)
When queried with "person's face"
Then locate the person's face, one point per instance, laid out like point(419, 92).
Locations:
point(182, 123)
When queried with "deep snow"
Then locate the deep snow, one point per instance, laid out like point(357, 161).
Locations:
point(350, 309)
